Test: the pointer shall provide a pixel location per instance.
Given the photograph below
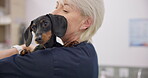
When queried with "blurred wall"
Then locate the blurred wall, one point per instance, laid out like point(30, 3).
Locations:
point(36, 8)
point(112, 40)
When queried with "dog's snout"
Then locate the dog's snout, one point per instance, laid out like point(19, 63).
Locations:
point(39, 38)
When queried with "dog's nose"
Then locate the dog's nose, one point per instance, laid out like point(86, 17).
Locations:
point(39, 38)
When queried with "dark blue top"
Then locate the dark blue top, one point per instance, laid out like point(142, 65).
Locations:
point(79, 61)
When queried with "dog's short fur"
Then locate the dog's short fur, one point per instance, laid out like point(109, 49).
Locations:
point(46, 28)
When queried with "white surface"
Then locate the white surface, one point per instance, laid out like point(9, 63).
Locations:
point(5, 20)
point(112, 40)
point(123, 72)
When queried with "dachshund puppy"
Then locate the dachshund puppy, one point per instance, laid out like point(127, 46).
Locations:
point(46, 28)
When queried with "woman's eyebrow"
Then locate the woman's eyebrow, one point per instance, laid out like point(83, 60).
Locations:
point(66, 4)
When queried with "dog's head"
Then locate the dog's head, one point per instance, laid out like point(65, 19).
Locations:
point(44, 26)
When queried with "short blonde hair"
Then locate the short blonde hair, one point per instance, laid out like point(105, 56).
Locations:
point(93, 9)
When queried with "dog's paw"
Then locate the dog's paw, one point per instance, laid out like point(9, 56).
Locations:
point(23, 52)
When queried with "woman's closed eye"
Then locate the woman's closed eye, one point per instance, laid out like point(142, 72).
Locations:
point(65, 11)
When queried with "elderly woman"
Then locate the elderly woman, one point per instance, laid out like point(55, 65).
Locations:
point(78, 61)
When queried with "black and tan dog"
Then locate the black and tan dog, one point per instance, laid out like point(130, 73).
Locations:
point(46, 28)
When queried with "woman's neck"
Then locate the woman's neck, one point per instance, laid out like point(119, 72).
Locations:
point(73, 37)
point(69, 40)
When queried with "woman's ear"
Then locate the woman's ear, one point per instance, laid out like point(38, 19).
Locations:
point(86, 23)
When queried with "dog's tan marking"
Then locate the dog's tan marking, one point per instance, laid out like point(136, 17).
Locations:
point(41, 20)
point(46, 36)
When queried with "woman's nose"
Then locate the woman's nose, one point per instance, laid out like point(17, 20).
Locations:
point(56, 12)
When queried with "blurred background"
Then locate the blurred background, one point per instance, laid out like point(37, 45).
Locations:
point(121, 43)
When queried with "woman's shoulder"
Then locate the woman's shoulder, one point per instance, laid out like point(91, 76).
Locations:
point(83, 48)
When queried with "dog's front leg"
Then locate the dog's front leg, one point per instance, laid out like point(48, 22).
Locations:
point(25, 51)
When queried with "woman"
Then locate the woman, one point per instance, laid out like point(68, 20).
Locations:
point(79, 61)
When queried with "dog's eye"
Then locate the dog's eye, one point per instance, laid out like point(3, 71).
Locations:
point(33, 28)
point(45, 24)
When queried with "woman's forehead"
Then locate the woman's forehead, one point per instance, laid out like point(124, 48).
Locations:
point(67, 2)
point(63, 2)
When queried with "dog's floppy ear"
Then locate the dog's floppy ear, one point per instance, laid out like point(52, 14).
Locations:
point(28, 36)
point(59, 25)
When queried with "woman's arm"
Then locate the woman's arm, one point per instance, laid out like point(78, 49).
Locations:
point(8, 53)
point(12, 51)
